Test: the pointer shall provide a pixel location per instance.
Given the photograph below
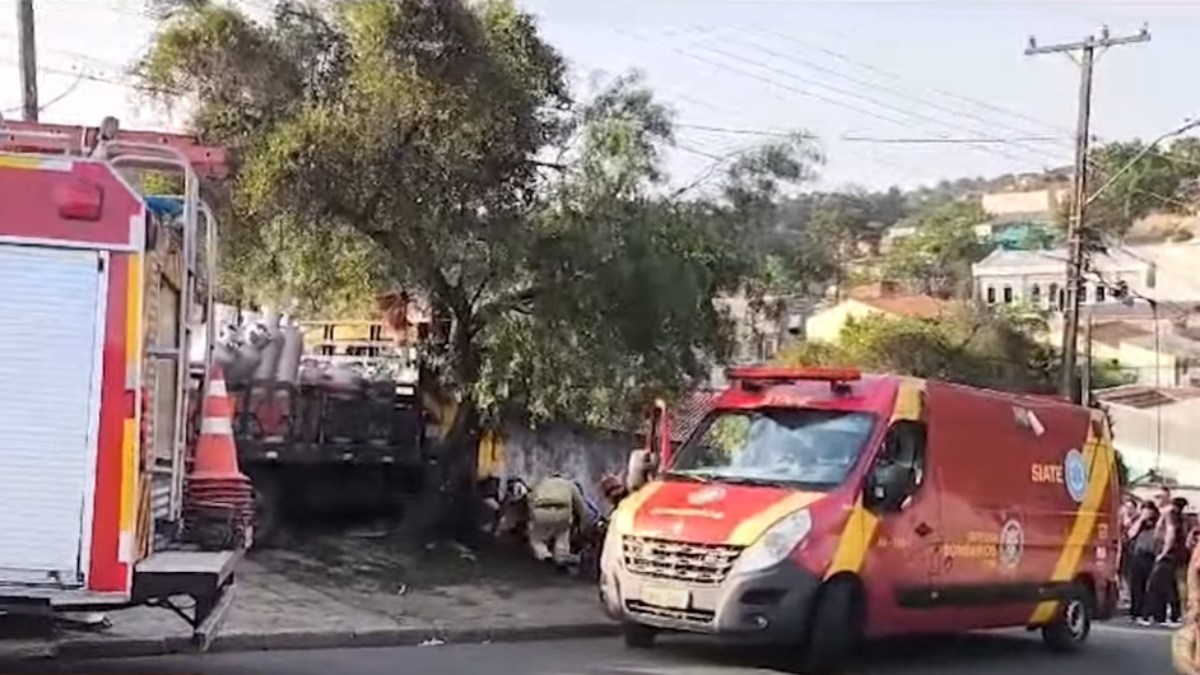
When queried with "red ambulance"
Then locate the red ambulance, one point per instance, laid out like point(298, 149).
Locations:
point(102, 290)
point(817, 507)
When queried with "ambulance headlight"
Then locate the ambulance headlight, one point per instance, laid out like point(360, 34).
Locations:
point(777, 543)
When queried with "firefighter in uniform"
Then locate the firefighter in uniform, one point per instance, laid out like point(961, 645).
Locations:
point(642, 465)
point(556, 508)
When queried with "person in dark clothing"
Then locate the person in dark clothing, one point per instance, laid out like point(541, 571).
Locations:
point(1140, 560)
point(1131, 509)
point(1162, 592)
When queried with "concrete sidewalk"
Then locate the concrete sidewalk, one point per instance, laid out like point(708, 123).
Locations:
point(291, 600)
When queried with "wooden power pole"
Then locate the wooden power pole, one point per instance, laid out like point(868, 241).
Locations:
point(28, 62)
point(1079, 198)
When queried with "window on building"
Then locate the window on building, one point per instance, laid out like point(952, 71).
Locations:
point(1008, 295)
point(1035, 294)
point(375, 333)
point(1054, 298)
point(1101, 294)
point(1062, 298)
point(991, 295)
point(1083, 293)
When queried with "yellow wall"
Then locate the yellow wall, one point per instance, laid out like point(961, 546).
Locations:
point(826, 325)
point(1144, 361)
point(355, 331)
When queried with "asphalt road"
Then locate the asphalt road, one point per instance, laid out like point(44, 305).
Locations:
point(1114, 650)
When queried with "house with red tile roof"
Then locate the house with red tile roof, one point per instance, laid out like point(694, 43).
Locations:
point(884, 299)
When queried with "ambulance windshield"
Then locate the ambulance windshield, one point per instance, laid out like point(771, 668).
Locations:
point(803, 447)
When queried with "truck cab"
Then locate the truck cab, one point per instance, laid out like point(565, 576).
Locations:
point(816, 507)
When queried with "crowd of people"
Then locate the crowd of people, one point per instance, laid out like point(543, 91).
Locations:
point(1159, 536)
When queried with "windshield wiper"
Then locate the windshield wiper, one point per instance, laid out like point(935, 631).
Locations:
point(746, 480)
point(693, 477)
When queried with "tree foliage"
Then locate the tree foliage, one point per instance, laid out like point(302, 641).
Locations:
point(969, 345)
point(936, 259)
point(1164, 179)
point(812, 238)
point(433, 146)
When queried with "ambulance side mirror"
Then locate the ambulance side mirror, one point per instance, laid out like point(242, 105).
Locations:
point(888, 485)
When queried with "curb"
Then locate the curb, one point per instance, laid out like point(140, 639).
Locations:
point(401, 636)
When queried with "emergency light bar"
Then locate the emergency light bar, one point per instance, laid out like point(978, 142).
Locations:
point(783, 374)
point(79, 199)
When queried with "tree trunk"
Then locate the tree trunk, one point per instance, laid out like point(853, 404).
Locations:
point(447, 506)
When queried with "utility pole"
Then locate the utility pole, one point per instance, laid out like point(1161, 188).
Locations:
point(1085, 386)
point(29, 92)
point(1079, 200)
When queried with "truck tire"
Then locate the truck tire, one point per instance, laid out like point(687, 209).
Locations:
point(268, 511)
point(835, 627)
point(638, 636)
point(1072, 622)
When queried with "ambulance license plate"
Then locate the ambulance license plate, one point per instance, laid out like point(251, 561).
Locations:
point(671, 598)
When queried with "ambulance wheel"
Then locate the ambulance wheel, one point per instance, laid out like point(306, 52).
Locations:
point(1072, 622)
point(835, 628)
point(638, 636)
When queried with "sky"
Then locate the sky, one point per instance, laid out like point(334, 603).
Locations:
point(864, 77)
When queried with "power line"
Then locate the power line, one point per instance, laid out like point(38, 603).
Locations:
point(933, 105)
point(1006, 112)
point(61, 96)
point(741, 132)
point(908, 112)
point(951, 141)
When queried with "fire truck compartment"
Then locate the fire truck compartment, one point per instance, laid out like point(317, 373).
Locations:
point(52, 304)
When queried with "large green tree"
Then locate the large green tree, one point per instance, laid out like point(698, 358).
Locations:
point(432, 145)
point(1163, 179)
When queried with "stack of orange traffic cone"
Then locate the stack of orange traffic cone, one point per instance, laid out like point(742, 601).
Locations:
point(219, 498)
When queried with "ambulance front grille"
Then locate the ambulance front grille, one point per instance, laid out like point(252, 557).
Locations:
point(704, 564)
point(696, 616)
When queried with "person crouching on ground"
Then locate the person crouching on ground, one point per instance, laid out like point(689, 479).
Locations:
point(556, 508)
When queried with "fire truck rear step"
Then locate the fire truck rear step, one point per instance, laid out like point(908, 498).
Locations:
point(205, 576)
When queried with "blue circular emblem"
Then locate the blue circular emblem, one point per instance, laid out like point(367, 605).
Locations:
point(1076, 474)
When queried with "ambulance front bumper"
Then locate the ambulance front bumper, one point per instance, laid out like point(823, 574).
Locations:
point(767, 606)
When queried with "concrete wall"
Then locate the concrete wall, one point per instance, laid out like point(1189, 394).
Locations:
point(1003, 203)
point(1165, 439)
point(583, 454)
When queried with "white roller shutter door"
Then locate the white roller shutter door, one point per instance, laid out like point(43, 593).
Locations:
point(51, 315)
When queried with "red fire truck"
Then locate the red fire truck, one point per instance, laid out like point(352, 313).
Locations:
point(101, 290)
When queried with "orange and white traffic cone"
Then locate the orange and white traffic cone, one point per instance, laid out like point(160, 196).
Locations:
point(217, 490)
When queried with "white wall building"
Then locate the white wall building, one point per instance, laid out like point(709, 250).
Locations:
point(1155, 429)
point(1164, 272)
